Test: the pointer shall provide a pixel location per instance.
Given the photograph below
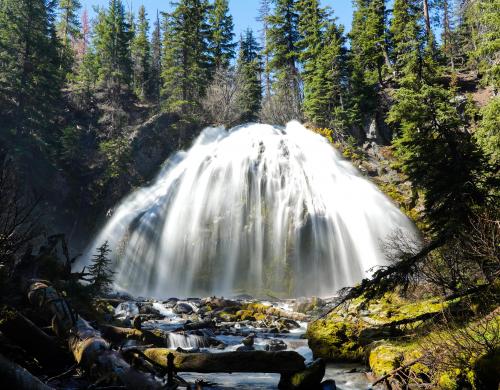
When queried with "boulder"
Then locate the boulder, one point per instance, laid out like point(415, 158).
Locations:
point(183, 308)
point(308, 379)
point(276, 345)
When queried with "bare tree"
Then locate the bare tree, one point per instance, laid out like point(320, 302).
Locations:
point(18, 216)
point(284, 105)
point(221, 99)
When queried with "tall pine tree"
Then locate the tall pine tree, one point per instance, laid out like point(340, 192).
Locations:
point(222, 45)
point(155, 72)
point(30, 69)
point(249, 68)
point(112, 52)
point(407, 42)
point(282, 39)
point(326, 99)
point(141, 55)
point(185, 68)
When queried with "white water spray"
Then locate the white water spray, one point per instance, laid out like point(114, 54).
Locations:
point(252, 209)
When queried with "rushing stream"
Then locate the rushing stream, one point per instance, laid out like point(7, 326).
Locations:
point(229, 336)
point(256, 208)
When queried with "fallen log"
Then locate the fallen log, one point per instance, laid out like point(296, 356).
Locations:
point(13, 376)
point(282, 362)
point(89, 349)
point(32, 339)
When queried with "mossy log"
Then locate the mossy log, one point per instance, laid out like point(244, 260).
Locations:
point(32, 339)
point(281, 362)
point(13, 376)
point(88, 347)
point(118, 335)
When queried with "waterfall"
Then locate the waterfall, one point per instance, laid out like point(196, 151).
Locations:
point(256, 208)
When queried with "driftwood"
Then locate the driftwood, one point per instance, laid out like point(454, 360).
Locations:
point(89, 349)
point(282, 362)
point(32, 339)
point(13, 376)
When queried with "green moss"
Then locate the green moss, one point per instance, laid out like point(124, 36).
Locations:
point(244, 315)
point(447, 381)
point(385, 358)
point(335, 339)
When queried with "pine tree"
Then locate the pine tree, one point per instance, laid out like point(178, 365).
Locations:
point(326, 102)
point(222, 45)
point(368, 39)
point(249, 69)
point(185, 68)
point(264, 12)
point(68, 27)
point(141, 55)
point(30, 69)
point(311, 26)
point(112, 53)
point(282, 41)
point(408, 42)
point(155, 72)
point(101, 275)
point(438, 154)
point(487, 49)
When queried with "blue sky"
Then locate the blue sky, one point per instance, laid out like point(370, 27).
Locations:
point(244, 11)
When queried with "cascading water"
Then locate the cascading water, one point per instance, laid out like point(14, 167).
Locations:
point(251, 209)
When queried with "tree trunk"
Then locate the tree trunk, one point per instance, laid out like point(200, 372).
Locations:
point(13, 376)
point(89, 349)
point(427, 20)
point(282, 362)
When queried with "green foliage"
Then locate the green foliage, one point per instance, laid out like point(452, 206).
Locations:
point(112, 40)
point(368, 39)
point(101, 275)
point(488, 132)
point(155, 73)
point(221, 44)
point(325, 101)
point(30, 69)
point(185, 55)
point(117, 153)
point(437, 154)
point(487, 34)
point(407, 41)
point(68, 30)
point(282, 44)
point(140, 51)
point(249, 69)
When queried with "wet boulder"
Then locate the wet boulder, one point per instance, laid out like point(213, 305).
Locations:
point(183, 308)
point(308, 379)
point(249, 340)
point(276, 345)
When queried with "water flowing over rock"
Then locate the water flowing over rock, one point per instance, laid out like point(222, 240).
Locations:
point(255, 208)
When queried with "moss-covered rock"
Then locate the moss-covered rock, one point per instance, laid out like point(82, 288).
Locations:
point(334, 338)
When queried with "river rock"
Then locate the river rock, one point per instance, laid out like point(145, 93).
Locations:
point(308, 379)
point(249, 340)
point(147, 308)
point(170, 303)
point(276, 345)
point(183, 308)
